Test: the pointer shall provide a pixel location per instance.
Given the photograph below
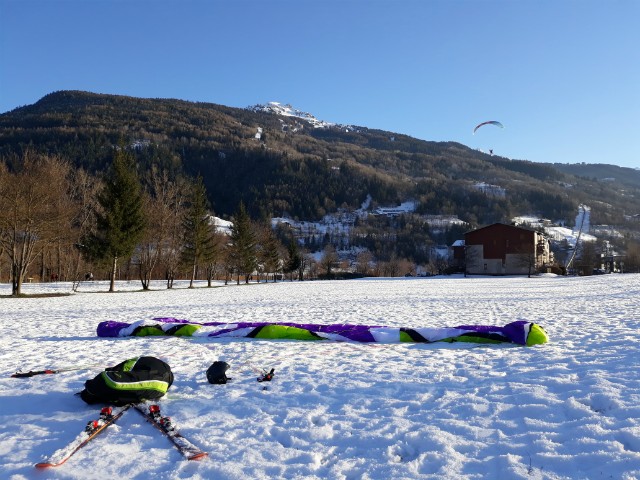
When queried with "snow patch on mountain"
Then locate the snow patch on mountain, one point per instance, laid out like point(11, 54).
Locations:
point(286, 110)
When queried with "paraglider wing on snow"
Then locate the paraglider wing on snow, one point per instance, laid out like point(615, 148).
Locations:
point(519, 332)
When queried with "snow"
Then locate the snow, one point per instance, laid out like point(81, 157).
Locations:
point(489, 189)
point(583, 219)
point(571, 236)
point(559, 233)
point(404, 207)
point(222, 226)
point(564, 410)
point(286, 110)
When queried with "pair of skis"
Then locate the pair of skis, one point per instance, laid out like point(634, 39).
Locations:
point(108, 416)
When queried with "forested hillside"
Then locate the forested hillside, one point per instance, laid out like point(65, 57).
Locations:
point(297, 170)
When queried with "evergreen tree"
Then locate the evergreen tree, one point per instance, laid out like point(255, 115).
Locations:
point(120, 220)
point(244, 245)
point(199, 242)
point(269, 253)
point(294, 259)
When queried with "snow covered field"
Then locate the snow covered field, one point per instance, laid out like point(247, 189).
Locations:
point(569, 409)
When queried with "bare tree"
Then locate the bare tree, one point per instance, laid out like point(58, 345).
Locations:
point(472, 259)
point(587, 258)
point(406, 267)
point(164, 196)
point(632, 259)
point(170, 258)
point(307, 263)
point(215, 264)
point(228, 262)
point(35, 211)
point(392, 268)
point(163, 243)
point(526, 259)
point(441, 264)
point(363, 262)
point(329, 259)
point(1, 257)
point(83, 194)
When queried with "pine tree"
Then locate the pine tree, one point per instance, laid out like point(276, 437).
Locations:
point(199, 242)
point(120, 221)
point(270, 252)
point(244, 245)
point(294, 259)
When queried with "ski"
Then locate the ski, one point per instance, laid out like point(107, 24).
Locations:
point(108, 416)
point(186, 448)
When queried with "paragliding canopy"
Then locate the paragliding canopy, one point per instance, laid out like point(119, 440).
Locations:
point(490, 122)
point(520, 331)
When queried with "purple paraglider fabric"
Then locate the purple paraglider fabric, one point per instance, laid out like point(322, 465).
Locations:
point(519, 332)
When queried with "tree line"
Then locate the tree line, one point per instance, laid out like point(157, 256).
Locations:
point(62, 223)
point(141, 217)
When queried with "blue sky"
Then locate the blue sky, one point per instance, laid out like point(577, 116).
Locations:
point(562, 76)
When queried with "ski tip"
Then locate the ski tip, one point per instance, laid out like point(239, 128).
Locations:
point(198, 456)
point(45, 465)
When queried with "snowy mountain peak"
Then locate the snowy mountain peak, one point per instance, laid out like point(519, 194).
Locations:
point(286, 110)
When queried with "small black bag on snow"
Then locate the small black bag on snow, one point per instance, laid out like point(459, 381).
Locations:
point(132, 381)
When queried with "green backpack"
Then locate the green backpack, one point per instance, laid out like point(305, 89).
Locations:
point(132, 381)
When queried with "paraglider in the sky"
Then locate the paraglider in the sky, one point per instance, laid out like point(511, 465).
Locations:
point(490, 122)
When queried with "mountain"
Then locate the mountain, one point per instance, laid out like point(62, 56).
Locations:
point(281, 161)
point(287, 110)
point(603, 173)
